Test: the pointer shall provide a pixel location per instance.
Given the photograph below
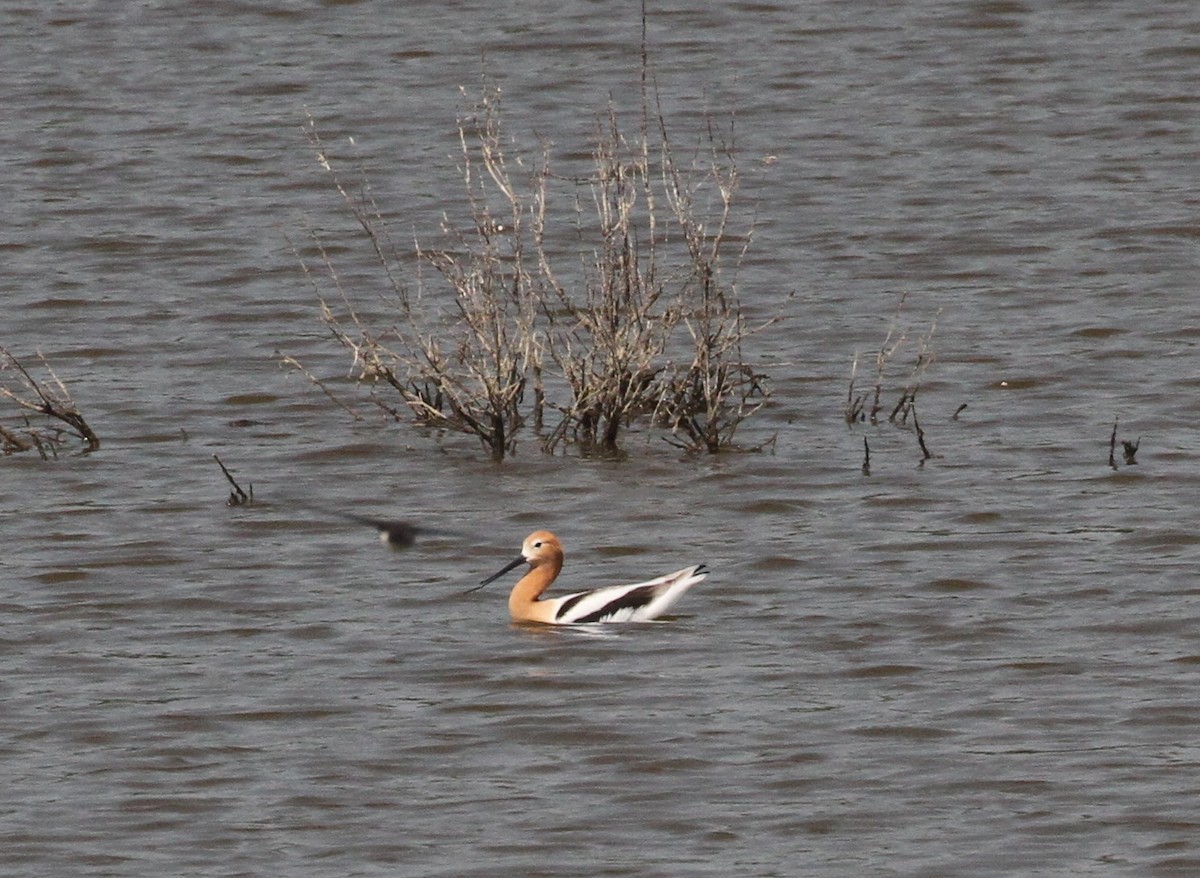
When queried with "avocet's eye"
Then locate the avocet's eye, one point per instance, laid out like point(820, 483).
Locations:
point(538, 544)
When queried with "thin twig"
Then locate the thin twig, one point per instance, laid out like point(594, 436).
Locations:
point(284, 359)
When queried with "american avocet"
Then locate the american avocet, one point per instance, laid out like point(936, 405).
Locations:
point(639, 602)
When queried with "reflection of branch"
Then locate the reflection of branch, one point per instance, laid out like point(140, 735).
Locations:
point(237, 497)
point(13, 441)
point(55, 404)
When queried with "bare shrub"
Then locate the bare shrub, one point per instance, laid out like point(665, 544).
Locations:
point(644, 327)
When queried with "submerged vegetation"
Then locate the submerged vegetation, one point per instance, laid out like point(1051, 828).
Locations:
point(863, 406)
point(46, 419)
point(570, 309)
point(895, 340)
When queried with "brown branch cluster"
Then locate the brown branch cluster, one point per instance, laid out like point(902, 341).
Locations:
point(59, 422)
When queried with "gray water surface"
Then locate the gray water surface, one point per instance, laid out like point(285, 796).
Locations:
point(987, 664)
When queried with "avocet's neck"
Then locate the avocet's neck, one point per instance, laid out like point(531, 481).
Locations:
point(523, 601)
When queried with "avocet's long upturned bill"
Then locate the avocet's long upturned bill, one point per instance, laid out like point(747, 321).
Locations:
point(639, 602)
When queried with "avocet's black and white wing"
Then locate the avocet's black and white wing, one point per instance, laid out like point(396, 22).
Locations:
point(639, 602)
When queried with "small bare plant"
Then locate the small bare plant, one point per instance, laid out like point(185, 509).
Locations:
point(857, 411)
point(51, 400)
point(856, 400)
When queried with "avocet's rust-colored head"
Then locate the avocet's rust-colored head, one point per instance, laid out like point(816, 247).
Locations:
point(541, 547)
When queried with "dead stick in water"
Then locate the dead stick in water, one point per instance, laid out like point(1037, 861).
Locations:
point(1112, 444)
point(920, 433)
point(237, 497)
point(866, 467)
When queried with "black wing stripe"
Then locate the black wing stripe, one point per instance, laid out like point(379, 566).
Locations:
point(631, 600)
point(568, 603)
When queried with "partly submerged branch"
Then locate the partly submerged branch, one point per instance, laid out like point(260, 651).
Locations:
point(49, 399)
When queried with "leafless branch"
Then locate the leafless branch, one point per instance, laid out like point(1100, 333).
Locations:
point(50, 399)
